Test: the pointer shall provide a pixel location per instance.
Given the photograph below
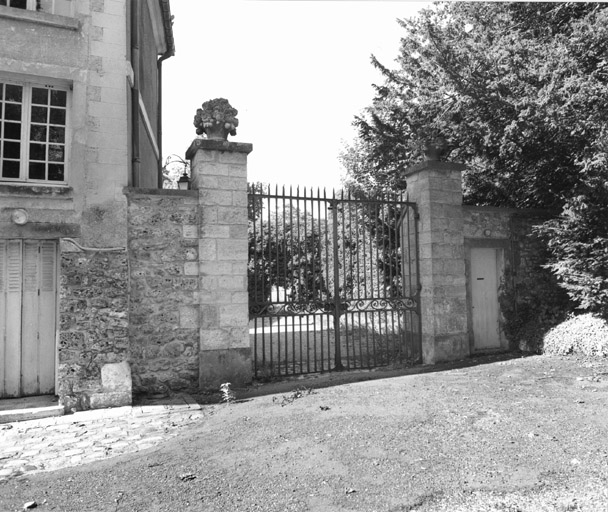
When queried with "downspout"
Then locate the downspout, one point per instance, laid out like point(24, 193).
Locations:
point(135, 41)
point(159, 115)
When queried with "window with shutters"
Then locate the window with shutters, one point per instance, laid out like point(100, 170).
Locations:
point(61, 7)
point(33, 132)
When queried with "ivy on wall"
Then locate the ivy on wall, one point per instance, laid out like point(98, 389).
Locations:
point(531, 300)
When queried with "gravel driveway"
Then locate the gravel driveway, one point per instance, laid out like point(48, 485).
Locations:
point(505, 434)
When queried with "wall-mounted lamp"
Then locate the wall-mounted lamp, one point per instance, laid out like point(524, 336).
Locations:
point(184, 182)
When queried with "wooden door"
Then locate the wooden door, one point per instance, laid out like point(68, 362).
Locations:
point(486, 268)
point(28, 298)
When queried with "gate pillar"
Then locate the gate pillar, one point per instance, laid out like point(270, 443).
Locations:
point(436, 187)
point(219, 171)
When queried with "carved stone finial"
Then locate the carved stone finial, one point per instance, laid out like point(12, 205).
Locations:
point(435, 148)
point(217, 119)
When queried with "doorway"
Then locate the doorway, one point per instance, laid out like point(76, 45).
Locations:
point(28, 312)
point(486, 269)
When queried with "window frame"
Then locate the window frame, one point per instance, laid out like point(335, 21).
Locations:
point(28, 84)
point(31, 5)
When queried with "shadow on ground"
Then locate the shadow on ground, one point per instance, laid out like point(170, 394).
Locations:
point(283, 385)
point(337, 378)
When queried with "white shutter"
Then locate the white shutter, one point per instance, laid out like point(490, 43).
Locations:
point(30, 361)
point(3, 303)
point(10, 312)
point(47, 316)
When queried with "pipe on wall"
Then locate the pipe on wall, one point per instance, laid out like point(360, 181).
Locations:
point(159, 115)
point(135, 63)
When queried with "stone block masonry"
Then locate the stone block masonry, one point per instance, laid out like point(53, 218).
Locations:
point(164, 286)
point(436, 188)
point(448, 234)
point(220, 172)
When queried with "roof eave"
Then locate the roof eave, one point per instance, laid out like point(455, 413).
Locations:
point(168, 28)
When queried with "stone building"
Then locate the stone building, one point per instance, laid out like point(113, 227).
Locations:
point(80, 108)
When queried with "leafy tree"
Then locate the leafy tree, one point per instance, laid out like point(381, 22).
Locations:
point(519, 91)
point(174, 167)
point(369, 241)
point(578, 239)
point(285, 250)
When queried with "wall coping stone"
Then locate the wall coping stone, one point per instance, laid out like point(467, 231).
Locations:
point(218, 145)
point(434, 165)
point(134, 192)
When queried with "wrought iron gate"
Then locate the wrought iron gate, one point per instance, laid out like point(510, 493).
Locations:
point(333, 281)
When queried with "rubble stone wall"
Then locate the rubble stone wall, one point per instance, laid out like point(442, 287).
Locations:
point(163, 300)
point(526, 253)
point(93, 330)
point(486, 222)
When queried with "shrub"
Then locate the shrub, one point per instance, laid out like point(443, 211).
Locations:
point(530, 308)
point(584, 334)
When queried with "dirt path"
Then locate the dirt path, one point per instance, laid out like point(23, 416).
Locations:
point(527, 434)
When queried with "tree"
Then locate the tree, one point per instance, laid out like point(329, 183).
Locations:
point(285, 250)
point(519, 90)
point(175, 167)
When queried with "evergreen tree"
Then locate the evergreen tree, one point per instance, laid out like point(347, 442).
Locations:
point(519, 91)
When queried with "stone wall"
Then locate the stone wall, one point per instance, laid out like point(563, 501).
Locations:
point(219, 170)
point(530, 297)
point(487, 222)
point(164, 297)
point(436, 188)
point(527, 294)
point(529, 253)
point(526, 254)
point(93, 331)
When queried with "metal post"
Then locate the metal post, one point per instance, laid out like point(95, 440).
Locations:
point(338, 349)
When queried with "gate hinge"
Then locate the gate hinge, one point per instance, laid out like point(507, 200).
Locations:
point(417, 216)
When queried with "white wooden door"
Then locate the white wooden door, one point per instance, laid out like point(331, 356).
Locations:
point(28, 295)
point(486, 268)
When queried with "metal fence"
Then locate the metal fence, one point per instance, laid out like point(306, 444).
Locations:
point(333, 281)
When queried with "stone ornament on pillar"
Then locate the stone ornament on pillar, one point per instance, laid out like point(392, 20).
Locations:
point(435, 149)
point(214, 122)
point(217, 119)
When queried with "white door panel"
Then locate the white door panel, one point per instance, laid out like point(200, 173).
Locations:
point(486, 265)
point(28, 294)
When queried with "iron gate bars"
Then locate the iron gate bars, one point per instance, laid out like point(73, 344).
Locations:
point(333, 281)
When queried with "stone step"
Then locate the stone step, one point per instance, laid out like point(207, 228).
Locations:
point(29, 408)
point(31, 414)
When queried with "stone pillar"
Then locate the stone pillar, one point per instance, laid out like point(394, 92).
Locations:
point(219, 171)
point(436, 187)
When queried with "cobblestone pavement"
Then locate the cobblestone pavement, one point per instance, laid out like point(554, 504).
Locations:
point(63, 441)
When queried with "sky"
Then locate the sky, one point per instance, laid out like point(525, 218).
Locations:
point(297, 71)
